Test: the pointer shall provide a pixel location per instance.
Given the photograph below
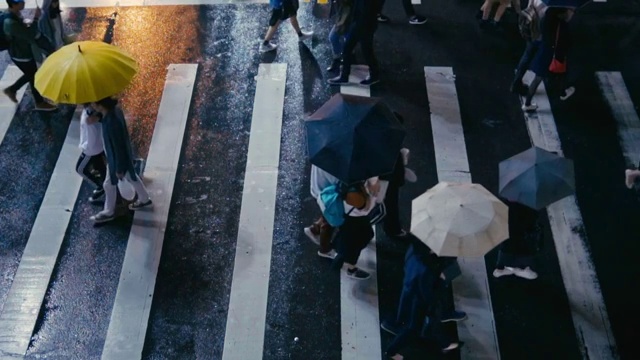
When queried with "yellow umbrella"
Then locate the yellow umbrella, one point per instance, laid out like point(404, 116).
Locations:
point(85, 71)
point(459, 219)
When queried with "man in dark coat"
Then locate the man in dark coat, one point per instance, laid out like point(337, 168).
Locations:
point(117, 146)
point(364, 24)
point(420, 310)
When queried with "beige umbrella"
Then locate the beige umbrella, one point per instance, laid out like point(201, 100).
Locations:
point(459, 220)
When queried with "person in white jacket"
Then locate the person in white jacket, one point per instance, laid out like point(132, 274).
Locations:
point(92, 159)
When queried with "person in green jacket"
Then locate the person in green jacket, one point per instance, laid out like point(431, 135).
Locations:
point(21, 39)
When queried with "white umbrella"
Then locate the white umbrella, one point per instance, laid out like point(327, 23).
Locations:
point(459, 220)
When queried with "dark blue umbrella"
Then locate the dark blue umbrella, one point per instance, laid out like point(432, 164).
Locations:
point(566, 3)
point(354, 138)
point(536, 178)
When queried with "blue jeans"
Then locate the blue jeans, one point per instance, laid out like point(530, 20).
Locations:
point(525, 61)
point(337, 42)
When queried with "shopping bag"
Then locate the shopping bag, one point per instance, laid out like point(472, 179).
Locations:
point(126, 189)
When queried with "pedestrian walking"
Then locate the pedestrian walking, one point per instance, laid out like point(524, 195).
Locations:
point(50, 24)
point(282, 10)
point(396, 179)
point(421, 308)
point(551, 55)
point(22, 39)
point(117, 146)
point(361, 32)
point(409, 10)
point(516, 254)
point(92, 159)
point(338, 32)
point(356, 231)
point(321, 232)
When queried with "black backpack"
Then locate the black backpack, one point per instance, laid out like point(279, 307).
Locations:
point(529, 23)
point(4, 42)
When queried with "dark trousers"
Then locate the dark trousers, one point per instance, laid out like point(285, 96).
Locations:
point(525, 61)
point(391, 224)
point(365, 38)
point(406, 4)
point(29, 69)
point(97, 162)
point(352, 237)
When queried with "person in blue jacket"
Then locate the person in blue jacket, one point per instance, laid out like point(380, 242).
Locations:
point(421, 308)
point(282, 10)
point(117, 147)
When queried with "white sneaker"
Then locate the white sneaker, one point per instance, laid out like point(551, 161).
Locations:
point(405, 155)
point(410, 175)
point(525, 273)
point(269, 46)
point(313, 237)
point(306, 35)
point(502, 272)
point(329, 255)
point(567, 93)
point(528, 108)
point(102, 217)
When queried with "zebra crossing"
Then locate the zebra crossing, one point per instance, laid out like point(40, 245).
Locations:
point(247, 308)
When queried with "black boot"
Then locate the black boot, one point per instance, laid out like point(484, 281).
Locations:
point(335, 65)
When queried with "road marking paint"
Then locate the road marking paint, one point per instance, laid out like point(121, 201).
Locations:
point(30, 283)
point(246, 318)
point(615, 92)
point(7, 107)
point(65, 4)
point(130, 314)
point(359, 314)
point(588, 311)
point(471, 289)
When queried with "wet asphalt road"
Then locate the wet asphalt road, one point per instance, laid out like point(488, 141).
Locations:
point(188, 316)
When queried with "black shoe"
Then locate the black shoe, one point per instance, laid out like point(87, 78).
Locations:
point(383, 18)
point(358, 274)
point(370, 80)
point(335, 65)
point(339, 80)
point(484, 24)
point(97, 195)
point(417, 20)
point(496, 26)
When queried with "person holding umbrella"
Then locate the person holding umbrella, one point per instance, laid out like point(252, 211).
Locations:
point(22, 40)
point(530, 181)
point(117, 147)
point(420, 310)
point(515, 256)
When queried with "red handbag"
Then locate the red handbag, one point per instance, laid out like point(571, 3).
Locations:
point(557, 66)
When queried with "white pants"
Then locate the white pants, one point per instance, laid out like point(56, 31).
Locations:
point(111, 194)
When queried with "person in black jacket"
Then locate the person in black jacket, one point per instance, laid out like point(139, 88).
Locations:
point(363, 27)
point(515, 256)
point(421, 307)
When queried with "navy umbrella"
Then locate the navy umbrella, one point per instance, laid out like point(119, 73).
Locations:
point(354, 138)
point(536, 178)
point(566, 3)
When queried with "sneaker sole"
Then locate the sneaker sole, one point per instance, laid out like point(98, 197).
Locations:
point(312, 237)
point(102, 221)
point(387, 330)
point(133, 208)
point(417, 23)
point(326, 256)
point(454, 320)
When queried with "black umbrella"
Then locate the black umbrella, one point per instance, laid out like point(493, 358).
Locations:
point(566, 3)
point(536, 178)
point(354, 138)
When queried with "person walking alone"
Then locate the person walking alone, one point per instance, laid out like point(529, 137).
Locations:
point(22, 39)
point(117, 146)
point(362, 30)
point(282, 10)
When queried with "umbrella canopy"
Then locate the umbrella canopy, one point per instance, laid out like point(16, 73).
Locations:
point(566, 3)
point(536, 178)
point(459, 220)
point(354, 138)
point(85, 71)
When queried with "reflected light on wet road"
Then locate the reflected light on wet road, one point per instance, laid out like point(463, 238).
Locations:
point(155, 38)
